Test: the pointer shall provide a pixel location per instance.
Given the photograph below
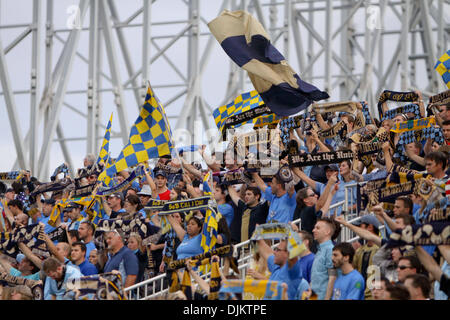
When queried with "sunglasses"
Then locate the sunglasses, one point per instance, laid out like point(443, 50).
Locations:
point(403, 267)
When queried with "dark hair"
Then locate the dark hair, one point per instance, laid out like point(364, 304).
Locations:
point(224, 231)
point(18, 187)
point(422, 282)
point(90, 225)
point(134, 199)
point(307, 236)
point(196, 183)
point(16, 203)
point(408, 219)
point(74, 233)
point(346, 249)
point(398, 292)
point(34, 268)
point(446, 122)
point(255, 191)
point(197, 221)
point(386, 281)
point(81, 244)
point(279, 181)
point(414, 262)
point(302, 194)
point(438, 157)
point(407, 203)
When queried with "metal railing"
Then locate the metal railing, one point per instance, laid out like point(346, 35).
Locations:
point(158, 285)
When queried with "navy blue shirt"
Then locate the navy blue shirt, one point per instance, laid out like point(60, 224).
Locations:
point(306, 263)
point(124, 261)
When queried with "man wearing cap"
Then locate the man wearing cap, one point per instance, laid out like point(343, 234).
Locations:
point(364, 255)
point(145, 194)
point(47, 207)
point(114, 205)
point(161, 185)
point(74, 213)
point(121, 258)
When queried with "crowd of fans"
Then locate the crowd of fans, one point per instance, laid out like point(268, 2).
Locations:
point(328, 268)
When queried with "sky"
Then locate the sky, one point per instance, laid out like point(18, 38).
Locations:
point(214, 81)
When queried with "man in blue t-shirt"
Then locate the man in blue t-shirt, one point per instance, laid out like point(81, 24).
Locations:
point(78, 257)
point(282, 201)
point(121, 258)
point(281, 267)
point(349, 284)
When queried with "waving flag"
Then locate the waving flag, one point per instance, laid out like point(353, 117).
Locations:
point(246, 42)
point(103, 156)
point(443, 68)
point(150, 137)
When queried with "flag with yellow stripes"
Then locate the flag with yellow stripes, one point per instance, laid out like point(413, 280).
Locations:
point(103, 156)
point(443, 68)
point(242, 103)
point(150, 137)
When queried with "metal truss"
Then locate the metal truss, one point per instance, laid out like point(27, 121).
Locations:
point(354, 49)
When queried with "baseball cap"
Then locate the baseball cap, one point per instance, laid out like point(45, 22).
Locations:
point(160, 173)
point(117, 195)
point(333, 167)
point(368, 219)
point(48, 201)
point(20, 257)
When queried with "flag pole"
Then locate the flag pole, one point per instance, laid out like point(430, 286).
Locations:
point(166, 121)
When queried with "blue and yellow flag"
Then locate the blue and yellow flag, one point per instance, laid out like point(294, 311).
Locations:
point(246, 42)
point(150, 137)
point(242, 103)
point(103, 156)
point(443, 68)
point(210, 230)
point(206, 188)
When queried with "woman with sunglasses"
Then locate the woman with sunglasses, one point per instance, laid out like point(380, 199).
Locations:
point(310, 206)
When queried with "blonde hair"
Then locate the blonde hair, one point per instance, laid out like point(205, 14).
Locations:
point(138, 238)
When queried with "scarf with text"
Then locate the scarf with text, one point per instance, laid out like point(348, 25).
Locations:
point(413, 125)
point(395, 96)
point(440, 98)
point(181, 263)
point(271, 231)
point(137, 225)
point(374, 145)
point(308, 159)
point(104, 286)
point(214, 282)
